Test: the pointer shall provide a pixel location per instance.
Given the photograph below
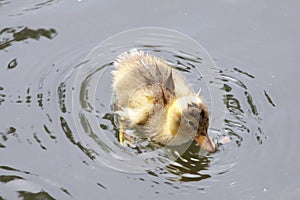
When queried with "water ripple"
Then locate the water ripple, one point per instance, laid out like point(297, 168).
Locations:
point(79, 101)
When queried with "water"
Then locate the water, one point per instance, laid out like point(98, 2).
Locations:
point(58, 132)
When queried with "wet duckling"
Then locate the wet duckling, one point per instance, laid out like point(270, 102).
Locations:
point(154, 100)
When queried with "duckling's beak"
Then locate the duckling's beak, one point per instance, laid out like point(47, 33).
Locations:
point(206, 143)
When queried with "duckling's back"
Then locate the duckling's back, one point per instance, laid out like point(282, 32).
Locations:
point(142, 79)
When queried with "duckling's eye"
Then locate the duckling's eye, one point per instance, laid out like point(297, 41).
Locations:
point(202, 114)
point(191, 123)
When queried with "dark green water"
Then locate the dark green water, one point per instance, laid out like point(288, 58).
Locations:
point(45, 154)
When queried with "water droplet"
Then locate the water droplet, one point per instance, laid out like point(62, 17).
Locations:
point(224, 140)
point(233, 183)
point(12, 64)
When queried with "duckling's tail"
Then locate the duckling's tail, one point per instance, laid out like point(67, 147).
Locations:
point(135, 69)
point(143, 68)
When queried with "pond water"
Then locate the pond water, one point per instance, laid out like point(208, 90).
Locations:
point(58, 132)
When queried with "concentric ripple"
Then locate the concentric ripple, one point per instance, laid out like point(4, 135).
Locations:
point(77, 97)
point(93, 100)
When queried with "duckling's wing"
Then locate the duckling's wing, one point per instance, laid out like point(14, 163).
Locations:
point(169, 83)
point(156, 121)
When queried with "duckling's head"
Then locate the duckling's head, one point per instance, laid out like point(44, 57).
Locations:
point(187, 119)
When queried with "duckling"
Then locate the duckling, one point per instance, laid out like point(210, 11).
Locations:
point(155, 100)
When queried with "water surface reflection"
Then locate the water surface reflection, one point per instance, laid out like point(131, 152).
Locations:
point(11, 35)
